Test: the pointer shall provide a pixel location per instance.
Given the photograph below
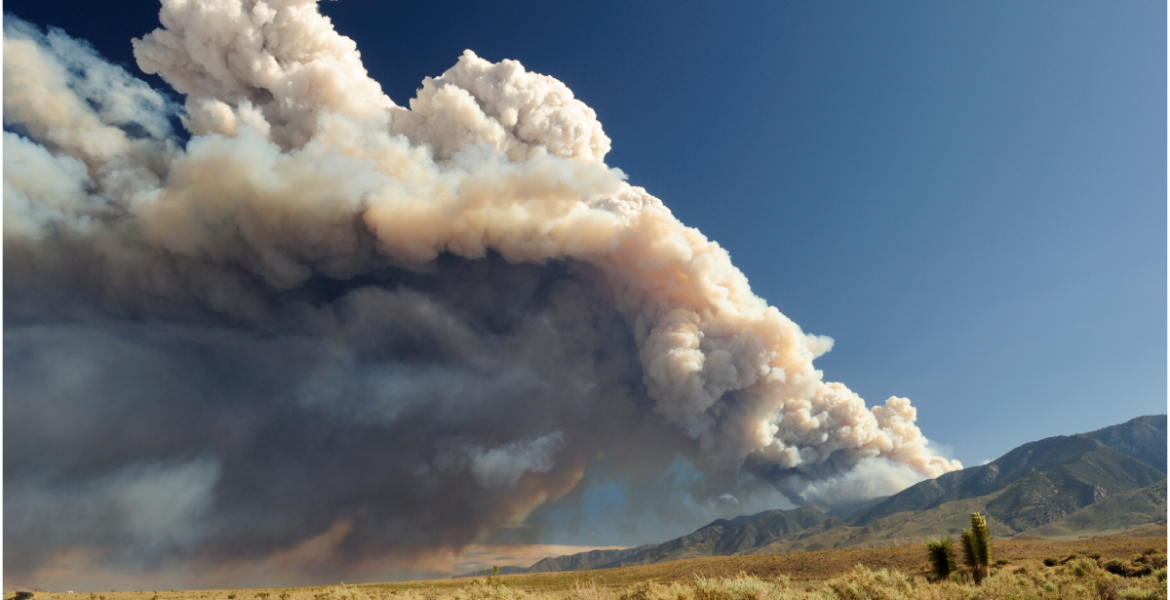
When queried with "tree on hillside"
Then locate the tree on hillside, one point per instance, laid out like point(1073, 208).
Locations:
point(977, 547)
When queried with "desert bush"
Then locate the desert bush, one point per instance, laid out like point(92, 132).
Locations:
point(1079, 580)
point(343, 592)
point(592, 591)
point(493, 589)
point(1106, 590)
point(1143, 594)
point(1138, 565)
point(740, 587)
point(1084, 567)
point(651, 590)
point(864, 584)
point(1152, 558)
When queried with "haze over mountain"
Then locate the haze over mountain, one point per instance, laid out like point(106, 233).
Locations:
point(1105, 481)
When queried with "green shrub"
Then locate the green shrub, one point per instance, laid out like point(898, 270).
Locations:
point(940, 557)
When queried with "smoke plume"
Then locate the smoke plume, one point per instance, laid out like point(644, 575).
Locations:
point(329, 331)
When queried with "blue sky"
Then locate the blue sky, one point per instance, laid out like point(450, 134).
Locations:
point(969, 197)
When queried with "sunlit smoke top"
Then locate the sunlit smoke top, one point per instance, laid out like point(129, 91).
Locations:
point(324, 308)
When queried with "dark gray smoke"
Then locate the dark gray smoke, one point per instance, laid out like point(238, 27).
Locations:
point(331, 335)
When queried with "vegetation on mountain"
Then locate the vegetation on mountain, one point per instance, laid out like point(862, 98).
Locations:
point(1115, 514)
point(1039, 482)
point(1143, 438)
point(585, 560)
point(741, 535)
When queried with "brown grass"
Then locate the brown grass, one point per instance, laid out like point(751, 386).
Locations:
point(805, 572)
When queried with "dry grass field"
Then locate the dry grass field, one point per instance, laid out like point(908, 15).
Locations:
point(893, 572)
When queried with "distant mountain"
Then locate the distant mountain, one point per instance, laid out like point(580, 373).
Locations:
point(1143, 438)
point(581, 561)
point(487, 572)
point(849, 510)
point(1106, 481)
point(1038, 482)
point(728, 537)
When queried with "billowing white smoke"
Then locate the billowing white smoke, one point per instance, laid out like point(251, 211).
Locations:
point(300, 167)
point(494, 158)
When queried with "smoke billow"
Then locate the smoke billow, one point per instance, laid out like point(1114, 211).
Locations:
point(337, 331)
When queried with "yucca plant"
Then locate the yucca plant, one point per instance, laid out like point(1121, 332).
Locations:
point(977, 547)
point(941, 557)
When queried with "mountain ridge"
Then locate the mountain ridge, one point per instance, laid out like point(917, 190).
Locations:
point(1108, 480)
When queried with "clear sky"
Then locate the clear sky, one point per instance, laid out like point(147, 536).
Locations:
point(970, 198)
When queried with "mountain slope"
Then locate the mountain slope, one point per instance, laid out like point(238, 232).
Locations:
point(1117, 513)
point(1106, 481)
point(1143, 438)
point(585, 560)
point(1059, 475)
point(725, 538)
